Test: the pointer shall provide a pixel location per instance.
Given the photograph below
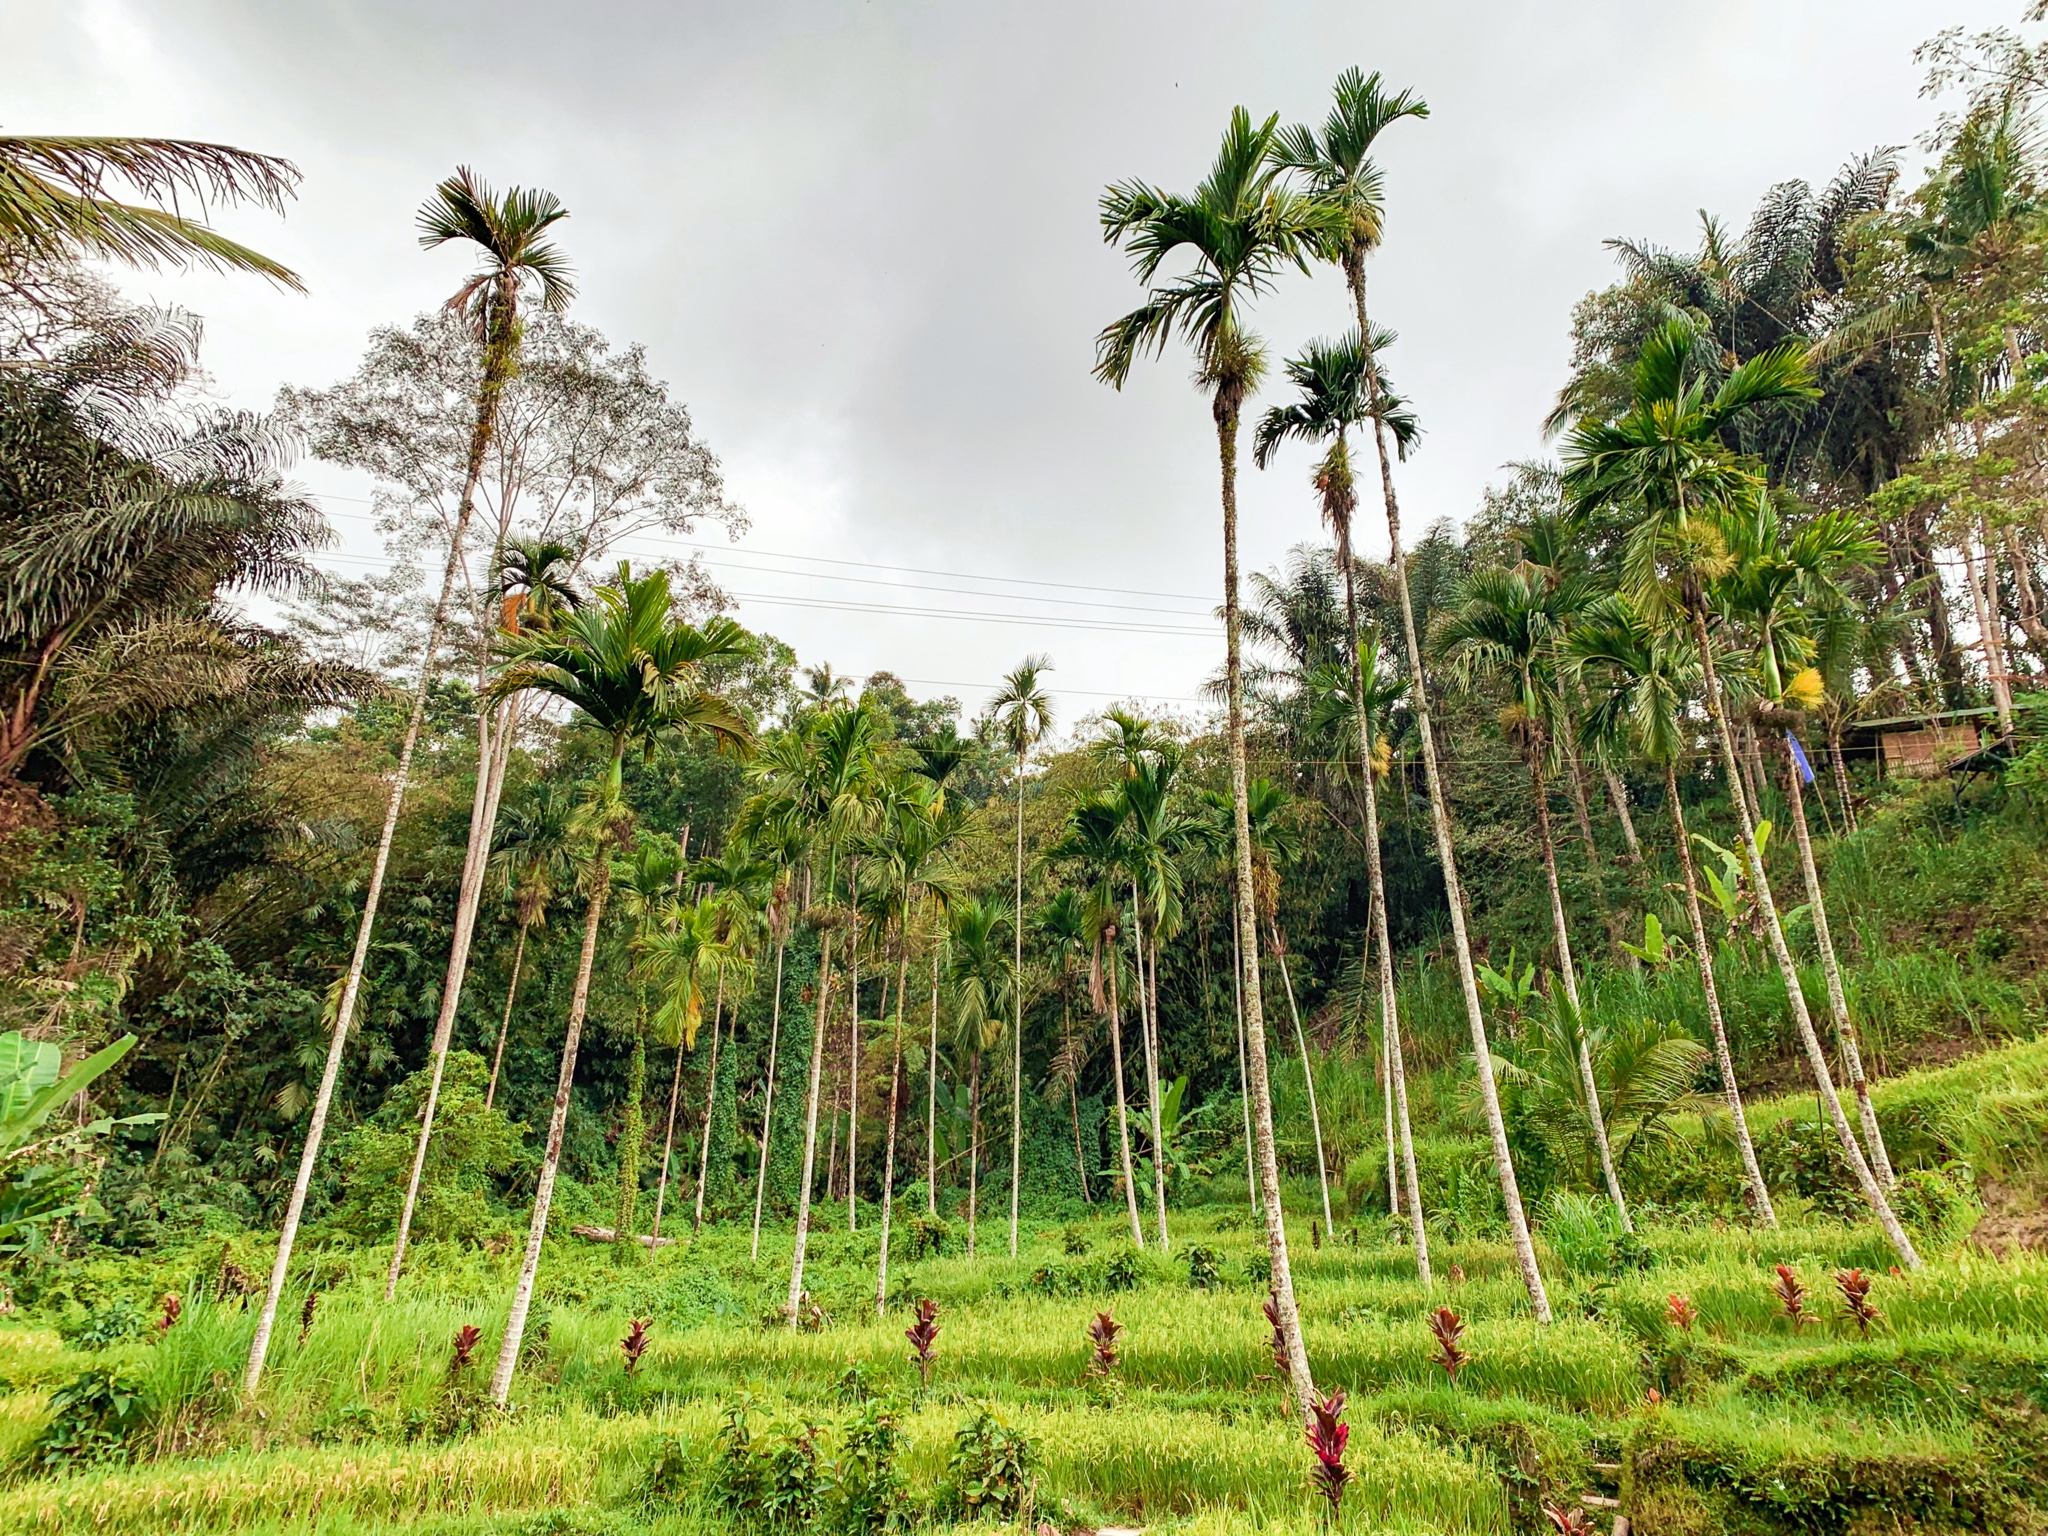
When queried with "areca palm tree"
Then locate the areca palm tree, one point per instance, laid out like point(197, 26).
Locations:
point(1642, 678)
point(1023, 714)
point(533, 847)
point(780, 917)
point(1153, 832)
point(1782, 576)
point(683, 955)
point(1666, 460)
point(1334, 394)
point(741, 886)
point(647, 885)
point(1508, 624)
point(634, 674)
point(55, 204)
point(1336, 163)
point(982, 983)
point(511, 236)
point(1063, 930)
point(1240, 229)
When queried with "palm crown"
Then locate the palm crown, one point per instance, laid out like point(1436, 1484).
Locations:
point(510, 233)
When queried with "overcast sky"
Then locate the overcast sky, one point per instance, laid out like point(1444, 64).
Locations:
point(860, 241)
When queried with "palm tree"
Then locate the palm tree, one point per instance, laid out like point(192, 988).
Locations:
point(1023, 714)
point(634, 674)
point(1336, 161)
point(1063, 929)
point(1334, 395)
point(511, 235)
point(1643, 679)
point(647, 885)
point(54, 206)
point(1779, 579)
point(1094, 839)
point(683, 955)
point(1508, 623)
point(982, 983)
point(780, 916)
point(1240, 229)
point(533, 847)
point(818, 782)
point(1666, 460)
point(1154, 829)
point(741, 887)
point(535, 583)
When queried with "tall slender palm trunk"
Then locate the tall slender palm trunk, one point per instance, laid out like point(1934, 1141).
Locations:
point(1724, 1058)
point(803, 1189)
point(1017, 1022)
point(1244, 1090)
point(853, 1047)
point(1838, 1002)
point(1447, 857)
point(632, 1140)
point(668, 1141)
point(1123, 1116)
point(1774, 931)
point(1568, 973)
point(1395, 1080)
point(973, 1150)
point(1229, 399)
point(344, 1014)
point(931, 1104)
point(889, 1156)
point(551, 1158)
point(710, 1104)
point(1617, 796)
point(1151, 1065)
point(494, 752)
point(768, 1099)
point(505, 1023)
point(1308, 1077)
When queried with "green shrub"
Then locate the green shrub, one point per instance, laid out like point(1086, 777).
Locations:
point(992, 1471)
point(1203, 1274)
point(867, 1489)
point(117, 1320)
point(96, 1418)
point(1121, 1272)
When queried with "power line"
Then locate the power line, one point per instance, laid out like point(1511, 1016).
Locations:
point(1034, 620)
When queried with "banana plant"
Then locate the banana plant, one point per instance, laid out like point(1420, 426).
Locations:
point(34, 1189)
point(1513, 991)
point(1657, 948)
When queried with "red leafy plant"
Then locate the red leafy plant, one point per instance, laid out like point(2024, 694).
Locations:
point(635, 1343)
point(1682, 1312)
point(306, 1314)
point(174, 1308)
point(923, 1335)
point(1574, 1522)
point(1449, 1328)
point(1855, 1288)
point(1327, 1433)
point(1791, 1296)
point(466, 1339)
point(1102, 1333)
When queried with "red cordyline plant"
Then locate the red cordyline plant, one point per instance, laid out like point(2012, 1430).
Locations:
point(1682, 1312)
point(466, 1340)
point(635, 1343)
point(1103, 1334)
point(1327, 1433)
point(306, 1314)
point(923, 1335)
point(174, 1308)
point(1791, 1296)
point(1855, 1288)
point(1449, 1328)
point(1574, 1522)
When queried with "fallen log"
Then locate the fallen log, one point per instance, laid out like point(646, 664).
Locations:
point(608, 1235)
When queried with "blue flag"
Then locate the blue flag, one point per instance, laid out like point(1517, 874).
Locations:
point(1799, 757)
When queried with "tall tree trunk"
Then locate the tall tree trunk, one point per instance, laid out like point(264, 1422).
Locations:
point(853, 1048)
point(1151, 1066)
point(1568, 973)
point(1386, 1085)
point(494, 751)
point(2023, 589)
point(768, 1106)
point(1948, 661)
point(1617, 796)
point(1123, 1116)
point(551, 1158)
point(668, 1141)
point(710, 1103)
point(1774, 932)
point(931, 1104)
point(1074, 1088)
point(632, 1140)
point(1984, 599)
point(803, 1193)
point(505, 1024)
point(1017, 1021)
point(889, 1157)
point(1838, 1002)
point(344, 1013)
point(1229, 398)
point(1724, 1058)
point(1447, 858)
point(973, 1150)
point(1841, 772)
point(1244, 1091)
point(1308, 1077)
